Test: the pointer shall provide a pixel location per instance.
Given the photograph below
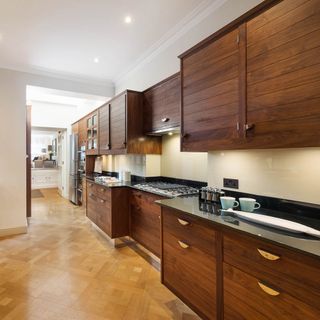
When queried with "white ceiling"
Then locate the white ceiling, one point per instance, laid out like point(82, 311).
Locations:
point(64, 36)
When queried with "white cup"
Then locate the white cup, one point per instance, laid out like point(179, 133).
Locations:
point(228, 203)
point(249, 204)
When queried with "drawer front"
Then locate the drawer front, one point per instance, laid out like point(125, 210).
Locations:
point(296, 273)
point(145, 220)
point(247, 297)
point(187, 228)
point(191, 274)
point(98, 190)
point(99, 212)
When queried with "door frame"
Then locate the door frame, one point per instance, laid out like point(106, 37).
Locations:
point(28, 160)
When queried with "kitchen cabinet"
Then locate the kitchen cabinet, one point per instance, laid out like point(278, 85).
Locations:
point(92, 135)
point(126, 126)
point(255, 83)
point(108, 209)
point(268, 282)
point(104, 129)
point(188, 262)
point(75, 128)
point(161, 106)
point(82, 132)
point(211, 95)
point(283, 76)
point(145, 220)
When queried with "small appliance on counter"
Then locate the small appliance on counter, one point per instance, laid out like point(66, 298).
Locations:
point(210, 194)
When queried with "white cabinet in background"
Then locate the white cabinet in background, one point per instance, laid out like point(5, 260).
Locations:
point(44, 178)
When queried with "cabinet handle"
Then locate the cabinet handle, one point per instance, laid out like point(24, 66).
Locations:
point(248, 127)
point(124, 143)
point(268, 290)
point(183, 222)
point(183, 244)
point(90, 184)
point(267, 255)
point(185, 135)
point(165, 119)
point(108, 146)
point(102, 190)
point(90, 194)
point(102, 201)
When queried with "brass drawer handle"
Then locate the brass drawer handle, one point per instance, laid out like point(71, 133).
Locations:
point(267, 255)
point(183, 222)
point(102, 201)
point(183, 245)
point(268, 290)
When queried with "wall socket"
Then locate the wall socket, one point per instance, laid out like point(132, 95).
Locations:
point(230, 183)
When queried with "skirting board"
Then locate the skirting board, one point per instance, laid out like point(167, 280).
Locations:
point(13, 231)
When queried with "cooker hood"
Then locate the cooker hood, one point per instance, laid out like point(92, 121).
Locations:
point(164, 131)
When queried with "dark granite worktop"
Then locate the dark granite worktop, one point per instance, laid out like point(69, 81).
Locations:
point(212, 214)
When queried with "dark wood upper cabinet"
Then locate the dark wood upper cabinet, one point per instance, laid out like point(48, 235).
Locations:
point(92, 134)
point(283, 76)
point(256, 82)
point(161, 105)
point(211, 95)
point(118, 119)
point(126, 126)
point(104, 129)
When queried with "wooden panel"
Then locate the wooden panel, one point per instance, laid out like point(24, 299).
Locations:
point(283, 76)
point(118, 123)
point(189, 272)
point(285, 272)
point(75, 128)
point(145, 220)
point(162, 105)
point(211, 95)
point(120, 212)
point(82, 131)
point(104, 129)
point(244, 299)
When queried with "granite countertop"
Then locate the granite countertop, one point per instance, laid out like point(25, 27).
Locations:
point(302, 242)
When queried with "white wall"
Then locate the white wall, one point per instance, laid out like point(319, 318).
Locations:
point(13, 137)
point(287, 173)
point(52, 115)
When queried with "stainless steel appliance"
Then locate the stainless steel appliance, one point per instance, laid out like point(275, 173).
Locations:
point(74, 174)
point(167, 189)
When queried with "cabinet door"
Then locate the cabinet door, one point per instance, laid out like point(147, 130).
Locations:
point(118, 123)
point(104, 129)
point(211, 95)
point(92, 137)
point(145, 220)
point(162, 105)
point(82, 130)
point(283, 76)
point(247, 297)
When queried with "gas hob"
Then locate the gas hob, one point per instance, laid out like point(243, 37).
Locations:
point(167, 189)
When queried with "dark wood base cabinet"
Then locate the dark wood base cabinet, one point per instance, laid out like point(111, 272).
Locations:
point(188, 261)
point(108, 209)
point(222, 274)
point(145, 220)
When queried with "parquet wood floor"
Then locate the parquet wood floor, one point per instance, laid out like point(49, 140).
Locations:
point(64, 270)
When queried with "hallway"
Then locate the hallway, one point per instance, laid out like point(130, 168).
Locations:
point(64, 269)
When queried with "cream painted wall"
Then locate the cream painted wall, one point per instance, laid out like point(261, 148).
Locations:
point(184, 165)
point(286, 173)
point(13, 137)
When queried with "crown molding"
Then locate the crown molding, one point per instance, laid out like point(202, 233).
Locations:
point(60, 75)
point(203, 10)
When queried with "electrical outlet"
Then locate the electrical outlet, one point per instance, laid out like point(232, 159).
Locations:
point(230, 183)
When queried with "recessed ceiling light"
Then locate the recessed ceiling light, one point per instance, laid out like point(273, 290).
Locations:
point(96, 60)
point(127, 19)
point(170, 133)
